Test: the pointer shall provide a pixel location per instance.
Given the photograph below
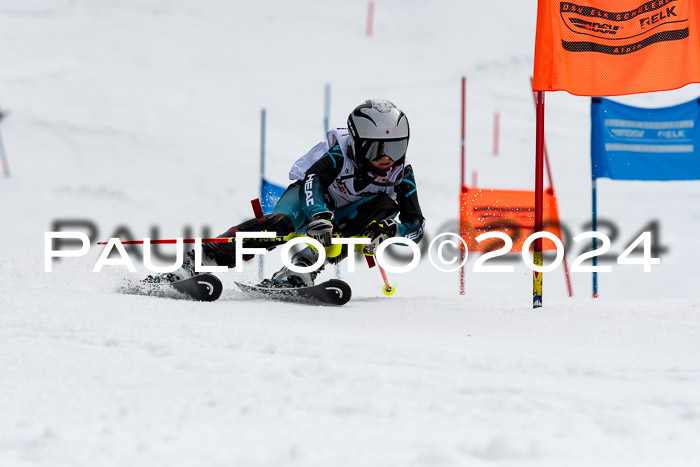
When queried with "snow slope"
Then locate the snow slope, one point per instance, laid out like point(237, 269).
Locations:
point(145, 114)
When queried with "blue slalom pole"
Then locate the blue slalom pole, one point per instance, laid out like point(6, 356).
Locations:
point(326, 108)
point(261, 261)
point(594, 227)
point(326, 119)
point(262, 146)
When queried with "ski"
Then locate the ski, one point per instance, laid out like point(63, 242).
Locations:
point(202, 287)
point(331, 292)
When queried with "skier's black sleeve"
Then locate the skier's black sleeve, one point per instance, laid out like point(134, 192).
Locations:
point(410, 214)
point(317, 180)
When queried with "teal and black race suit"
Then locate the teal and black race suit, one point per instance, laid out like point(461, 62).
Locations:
point(331, 181)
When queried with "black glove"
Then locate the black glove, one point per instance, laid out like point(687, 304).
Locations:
point(320, 227)
point(377, 232)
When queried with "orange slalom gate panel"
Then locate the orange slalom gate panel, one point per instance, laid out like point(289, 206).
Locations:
point(616, 47)
point(511, 211)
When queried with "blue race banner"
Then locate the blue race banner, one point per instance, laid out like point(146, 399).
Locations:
point(269, 195)
point(632, 143)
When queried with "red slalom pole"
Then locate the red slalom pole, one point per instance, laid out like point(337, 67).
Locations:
point(370, 18)
point(539, 187)
point(567, 275)
point(463, 129)
point(544, 143)
point(3, 154)
point(462, 186)
point(496, 131)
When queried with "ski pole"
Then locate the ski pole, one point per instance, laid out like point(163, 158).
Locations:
point(331, 251)
point(386, 288)
point(209, 240)
point(173, 241)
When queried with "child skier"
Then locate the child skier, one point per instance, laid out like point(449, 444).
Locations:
point(355, 183)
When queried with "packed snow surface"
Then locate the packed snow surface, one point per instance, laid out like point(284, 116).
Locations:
point(142, 118)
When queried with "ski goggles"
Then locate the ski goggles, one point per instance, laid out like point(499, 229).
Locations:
point(374, 150)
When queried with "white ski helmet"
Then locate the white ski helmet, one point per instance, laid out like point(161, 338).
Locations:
point(378, 128)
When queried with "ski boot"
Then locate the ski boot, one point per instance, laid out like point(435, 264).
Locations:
point(185, 272)
point(287, 278)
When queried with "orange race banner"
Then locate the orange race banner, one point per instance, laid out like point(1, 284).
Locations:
point(616, 47)
point(484, 210)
